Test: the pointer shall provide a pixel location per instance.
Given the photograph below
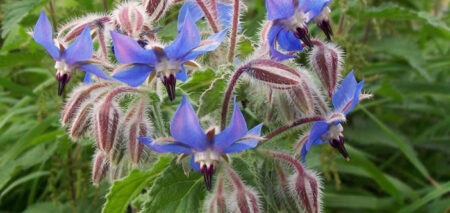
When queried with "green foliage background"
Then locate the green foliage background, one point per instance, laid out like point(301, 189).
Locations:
point(399, 140)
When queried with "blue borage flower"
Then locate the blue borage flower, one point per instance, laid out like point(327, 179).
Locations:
point(167, 62)
point(205, 149)
point(345, 98)
point(68, 60)
point(289, 23)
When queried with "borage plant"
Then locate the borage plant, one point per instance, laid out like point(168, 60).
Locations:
point(122, 105)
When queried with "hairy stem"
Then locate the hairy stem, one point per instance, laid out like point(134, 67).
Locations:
point(234, 28)
point(298, 122)
point(209, 16)
point(228, 92)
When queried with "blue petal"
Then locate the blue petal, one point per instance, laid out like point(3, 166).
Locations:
point(210, 44)
point(314, 7)
point(279, 9)
point(87, 78)
point(355, 99)
point(317, 130)
point(81, 49)
point(185, 127)
point(235, 130)
point(42, 34)
point(128, 51)
point(187, 39)
point(272, 37)
point(166, 147)
point(288, 41)
point(245, 144)
point(92, 69)
point(195, 166)
point(182, 75)
point(193, 9)
point(134, 76)
point(344, 92)
point(225, 14)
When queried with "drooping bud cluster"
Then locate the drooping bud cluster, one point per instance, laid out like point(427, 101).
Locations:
point(303, 185)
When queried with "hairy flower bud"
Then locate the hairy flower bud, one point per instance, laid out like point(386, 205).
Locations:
point(80, 95)
point(274, 74)
point(245, 199)
point(304, 185)
point(216, 202)
point(326, 59)
point(130, 18)
point(106, 121)
point(99, 167)
point(302, 94)
point(156, 8)
point(81, 122)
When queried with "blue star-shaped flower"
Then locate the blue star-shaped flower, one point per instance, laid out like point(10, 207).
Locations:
point(70, 59)
point(205, 149)
point(289, 24)
point(344, 99)
point(224, 11)
point(167, 62)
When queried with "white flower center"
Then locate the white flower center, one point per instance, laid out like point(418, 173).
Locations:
point(207, 158)
point(333, 132)
point(62, 67)
point(166, 67)
point(295, 21)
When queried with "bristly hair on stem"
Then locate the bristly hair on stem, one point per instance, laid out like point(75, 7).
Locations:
point(234, 29)
point(211, 16)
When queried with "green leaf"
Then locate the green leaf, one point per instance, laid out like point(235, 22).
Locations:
point(406, 149)
point(442, 190)
point(405, 49)
point(23, 180)
point(14, 12)
point(357, 201)
point(199, 82)
point(208, 100)
point(392, 11)
point(173, 191)
point(124, 191)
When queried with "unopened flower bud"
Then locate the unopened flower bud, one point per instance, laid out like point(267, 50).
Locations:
point(130, 18)
point(326, 59)
point(79, 96)
point(246, 200)
point(302, 94)
point(81, 122)
point(106, 121)
point(99, 167)
point(156, 8)
point(216, 203)
point(274, 74)
point(304, 185)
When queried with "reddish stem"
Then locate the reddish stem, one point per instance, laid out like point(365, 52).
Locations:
point(294, 124)
point(228, 92)
point(234, 28)
point(211, 19)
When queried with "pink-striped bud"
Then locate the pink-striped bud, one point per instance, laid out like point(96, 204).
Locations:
point(80, 95)
point(274, 74)
point(326, 59)
point(301, 95)
point(245, 199)
point(304, 185)
point(156, 8)
point(130, 18)
point(106, 119)
point(136, 125)
point(99, 167)
point(81, 122)
point(216, 203)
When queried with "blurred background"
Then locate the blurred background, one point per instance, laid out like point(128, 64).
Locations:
point(399, 140)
